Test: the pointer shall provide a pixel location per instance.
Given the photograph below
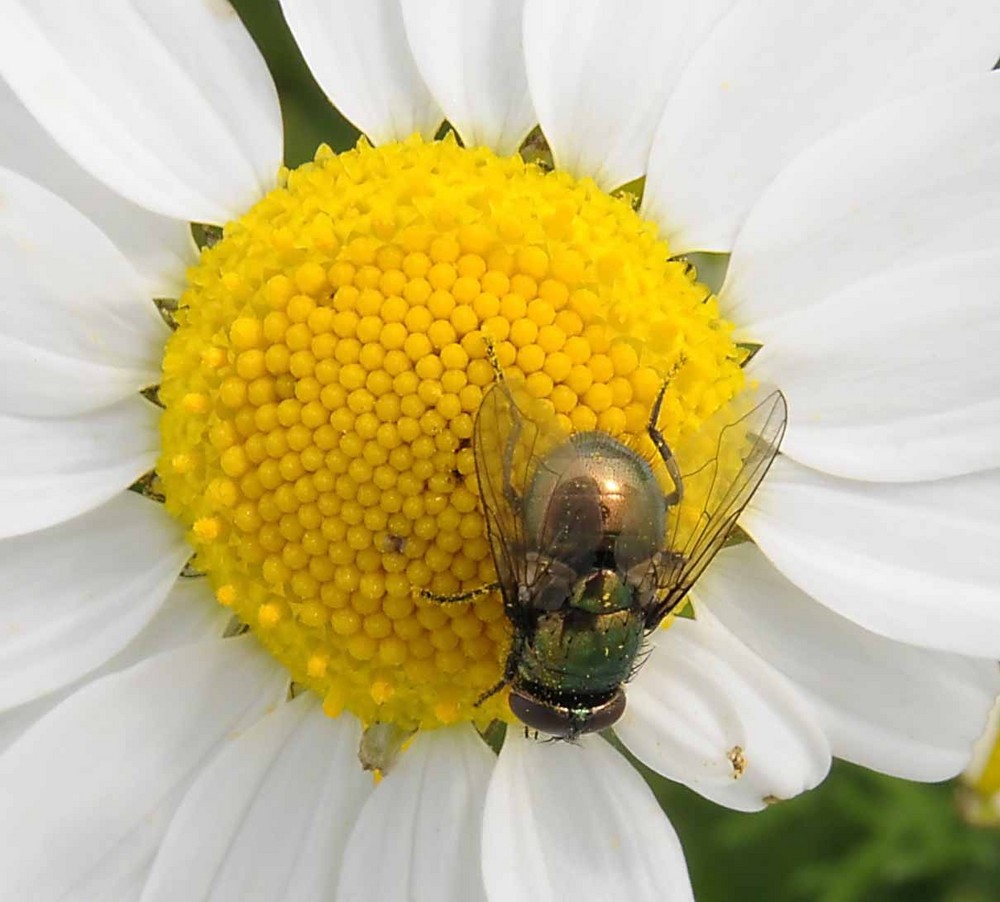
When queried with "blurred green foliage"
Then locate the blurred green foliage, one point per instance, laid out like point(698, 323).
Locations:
point(860, 837)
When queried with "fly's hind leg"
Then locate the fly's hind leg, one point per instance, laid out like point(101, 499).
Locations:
point(460, 596)
point(666, 455)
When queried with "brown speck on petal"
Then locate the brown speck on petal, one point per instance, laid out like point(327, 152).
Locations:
point(738, 760)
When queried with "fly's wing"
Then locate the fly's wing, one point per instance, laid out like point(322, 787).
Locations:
point(511, 436)
point(721, 466)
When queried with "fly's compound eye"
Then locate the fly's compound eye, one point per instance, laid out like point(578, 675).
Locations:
point(563, 722)
point(542, 716)
point(603, 716)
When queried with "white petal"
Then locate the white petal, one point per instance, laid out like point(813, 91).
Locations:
point(78, 331)
point(359, 54)
point(267, 820)
point(171, 105)
point(93, 785)
point(894, 378)
point(915, 180)
point(160, 249)
point(916, 563)
point(769, 82)
point(189, 614)
point(418, 835)
point(907, 711)
point(599, 77)
point(680, 711)
point(469, 54)
point(57, 469)
point(709, 713)
point(80, 591)
point(576, 821)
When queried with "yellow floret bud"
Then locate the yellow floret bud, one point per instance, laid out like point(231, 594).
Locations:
point(206, 529)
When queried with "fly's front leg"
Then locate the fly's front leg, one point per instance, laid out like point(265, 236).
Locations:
point(666, 455)
point(491, 356)
point(460, 596)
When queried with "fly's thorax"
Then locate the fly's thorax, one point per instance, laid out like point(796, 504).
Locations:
point(595, 502)
point(600, 592)
point(589, 645)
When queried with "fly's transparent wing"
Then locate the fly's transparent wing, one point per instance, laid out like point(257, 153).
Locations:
point(721, 465)
point(512, 435)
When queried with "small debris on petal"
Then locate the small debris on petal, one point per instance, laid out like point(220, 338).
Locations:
point(380, 745)
point(738, 760)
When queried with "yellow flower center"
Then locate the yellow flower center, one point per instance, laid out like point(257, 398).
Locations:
point(323, 381)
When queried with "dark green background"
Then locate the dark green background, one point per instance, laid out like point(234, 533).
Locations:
point(860, 837)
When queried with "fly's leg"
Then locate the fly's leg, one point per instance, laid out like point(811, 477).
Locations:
point(491, 356)
point(460, 596)
point(493, 690)
point(509, 669)
point(666, 455)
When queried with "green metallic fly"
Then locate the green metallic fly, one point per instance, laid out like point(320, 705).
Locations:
point(591, 553)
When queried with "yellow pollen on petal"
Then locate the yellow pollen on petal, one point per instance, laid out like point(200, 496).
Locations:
point(322, 386)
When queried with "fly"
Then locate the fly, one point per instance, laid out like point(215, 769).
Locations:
point(591, 553)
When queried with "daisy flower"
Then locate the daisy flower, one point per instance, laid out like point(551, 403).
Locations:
point(294, 415)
